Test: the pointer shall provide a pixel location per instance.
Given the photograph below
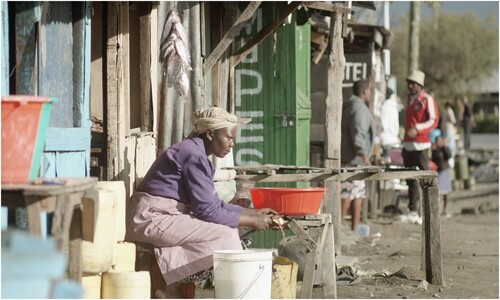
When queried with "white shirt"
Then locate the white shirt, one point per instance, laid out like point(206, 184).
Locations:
point(389, 116)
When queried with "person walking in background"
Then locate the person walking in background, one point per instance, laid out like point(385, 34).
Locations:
point(449, 132)
point(440, 156)
point(421, 117)
point(466, 119)
point(389, 116)
point(356, 145)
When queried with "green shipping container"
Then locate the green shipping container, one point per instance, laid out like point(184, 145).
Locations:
point(272, 86)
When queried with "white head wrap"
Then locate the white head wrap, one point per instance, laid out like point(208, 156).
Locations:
point(215, 118)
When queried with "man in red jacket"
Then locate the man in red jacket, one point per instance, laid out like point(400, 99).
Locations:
point(420, 118)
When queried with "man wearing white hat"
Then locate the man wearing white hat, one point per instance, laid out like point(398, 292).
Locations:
point(420, 118)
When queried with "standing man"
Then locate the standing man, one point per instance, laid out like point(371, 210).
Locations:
point(467, 121)
point(420, 118)
point(356, 145)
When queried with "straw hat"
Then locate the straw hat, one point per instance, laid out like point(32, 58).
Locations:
point(417, 76)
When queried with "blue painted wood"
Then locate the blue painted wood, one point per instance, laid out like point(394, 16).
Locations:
point(56, 60)
point(79, 63)
point(65, 164)
point(66, 74)
point(67, 139)
point(26, 288)
point(67, 289)
point(86, 107)
point(25, 43)
point(21, 242)
point(69, 164)
point(48, 168)
point(4, 36)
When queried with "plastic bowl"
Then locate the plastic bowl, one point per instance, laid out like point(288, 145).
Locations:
point(288, 201)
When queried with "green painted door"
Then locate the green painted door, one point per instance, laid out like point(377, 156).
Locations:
point(272, 86)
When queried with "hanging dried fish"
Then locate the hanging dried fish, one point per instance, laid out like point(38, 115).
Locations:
point(174, 54)
point(182, 84)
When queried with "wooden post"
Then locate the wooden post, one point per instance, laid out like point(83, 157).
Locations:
point(328, 263)
point(111, 107)
point(432, 228)
point(123, 68)
point(414, 40)
point(220, 70)
point(310, 265)
point(145, 66)
point(333, 119)
point(75, 246)
point(117, 87)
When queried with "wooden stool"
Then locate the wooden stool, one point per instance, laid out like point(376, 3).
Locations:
point(319, 243)
point(145, 260)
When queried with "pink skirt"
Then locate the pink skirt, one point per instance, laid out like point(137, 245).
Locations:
point(183, 244)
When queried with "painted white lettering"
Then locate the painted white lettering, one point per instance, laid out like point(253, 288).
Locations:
point(347, 70)
point(256, 18)
point(249, 91)
point(251, 152)
point(252, 57)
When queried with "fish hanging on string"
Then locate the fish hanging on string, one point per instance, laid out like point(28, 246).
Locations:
point(174, 54)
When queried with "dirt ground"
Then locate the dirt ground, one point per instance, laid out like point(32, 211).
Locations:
point(469, 256)
point(470, 259)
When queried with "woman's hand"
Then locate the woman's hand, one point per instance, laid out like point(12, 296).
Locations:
point(266, 211)
point(255, 219)
point(261, 222)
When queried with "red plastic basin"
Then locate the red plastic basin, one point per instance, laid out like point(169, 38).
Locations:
point(20, 122)
point(288, 201)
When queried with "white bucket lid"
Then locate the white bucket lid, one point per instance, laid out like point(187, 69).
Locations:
point(244, 255)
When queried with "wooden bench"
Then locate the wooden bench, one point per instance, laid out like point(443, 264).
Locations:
point(64, 197)
point(431, 225)
point(319, 243)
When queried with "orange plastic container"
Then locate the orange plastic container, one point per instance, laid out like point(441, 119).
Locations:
point(288, 201)
point(20, 117)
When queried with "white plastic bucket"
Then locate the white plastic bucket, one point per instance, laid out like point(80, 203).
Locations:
point(243, 274)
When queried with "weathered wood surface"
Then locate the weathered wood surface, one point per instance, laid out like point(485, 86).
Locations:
point(75, 246)
point(432, 231)
point(319, 242)
point(145, 155)
point(328, 263)
point(327, 6)
point(67, 139)
point(70, 185)
point(280, 173)
point(264, 32)
point(112, 90)
point(333, 117)
point(145, 66)
point(66, 202)
point(310, 265)
point(230, 36)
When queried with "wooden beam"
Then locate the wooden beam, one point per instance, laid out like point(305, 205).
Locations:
point(432, 233)
point(327, 7)
point(111, 108)
point(264, 32)
point(145, 66)
point(337, 177)
point(230, 36)
point(333, 117)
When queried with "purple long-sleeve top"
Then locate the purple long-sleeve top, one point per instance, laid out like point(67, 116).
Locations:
point(184, 173)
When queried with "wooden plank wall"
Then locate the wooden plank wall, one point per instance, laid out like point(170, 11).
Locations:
point(4, 36)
